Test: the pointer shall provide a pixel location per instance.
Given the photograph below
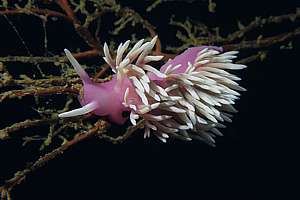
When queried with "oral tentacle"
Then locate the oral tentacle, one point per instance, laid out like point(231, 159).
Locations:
point(80, 71)
point(80, 111)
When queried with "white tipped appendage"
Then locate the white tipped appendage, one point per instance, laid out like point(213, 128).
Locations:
point(80, 71)
point(188, 105)
point(80, 111)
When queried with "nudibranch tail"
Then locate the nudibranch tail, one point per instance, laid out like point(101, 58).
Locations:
point(80, 111)
point(83, 75)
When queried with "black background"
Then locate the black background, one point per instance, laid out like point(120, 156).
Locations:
point(257, 157)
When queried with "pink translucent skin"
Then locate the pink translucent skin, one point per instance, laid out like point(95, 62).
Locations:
point(109, 98)
point(109, 95)
point(188, 55)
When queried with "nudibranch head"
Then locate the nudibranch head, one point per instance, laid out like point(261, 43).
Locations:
point(188, 98)
point(103, 99)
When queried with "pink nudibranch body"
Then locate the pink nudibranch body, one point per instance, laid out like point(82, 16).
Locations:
point(191, 93)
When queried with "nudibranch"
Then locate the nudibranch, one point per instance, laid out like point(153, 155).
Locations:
point(188, 98)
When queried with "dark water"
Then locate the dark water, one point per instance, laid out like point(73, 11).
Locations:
point(256, 156)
